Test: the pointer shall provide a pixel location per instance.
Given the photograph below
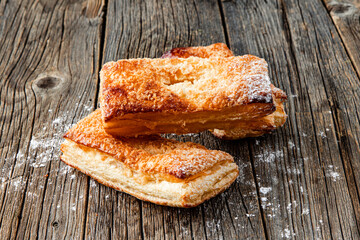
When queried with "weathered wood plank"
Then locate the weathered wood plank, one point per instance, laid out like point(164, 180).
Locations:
point(306, 170)
point(49, 71)
point(346, 14)
point(307, 176)
point(148, 29)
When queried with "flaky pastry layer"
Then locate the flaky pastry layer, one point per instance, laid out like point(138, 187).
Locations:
point(242, 128)
point(192, 94)
point(151, 168)
point(181, 123)
point(115, 174)
point(256, 127)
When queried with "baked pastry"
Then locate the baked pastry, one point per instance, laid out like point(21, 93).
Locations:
point(151, 168)
point(258, 126)
point(253, 128)
point(183, 95)
point(214, 50)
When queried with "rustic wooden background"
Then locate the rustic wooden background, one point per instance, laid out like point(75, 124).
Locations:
point(300, 182)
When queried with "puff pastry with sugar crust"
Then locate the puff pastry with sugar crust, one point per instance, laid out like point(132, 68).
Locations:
point(258, 126)
point(183, 95)
point(151, 168)
point(253, 128)
point(214, 50)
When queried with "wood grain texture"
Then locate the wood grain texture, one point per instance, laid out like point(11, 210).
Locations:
point(137, 29)
point(304, 174)
point(301, 182)
point(49, 71)
point(345, 15)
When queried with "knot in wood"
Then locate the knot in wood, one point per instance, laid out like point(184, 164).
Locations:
point(55, 224)
point(50, 81)
point(343, 9)
point(47, 82)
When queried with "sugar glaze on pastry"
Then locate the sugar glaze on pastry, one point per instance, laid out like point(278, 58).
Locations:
point(151, 168)
point(183, 95)
point(243, 128)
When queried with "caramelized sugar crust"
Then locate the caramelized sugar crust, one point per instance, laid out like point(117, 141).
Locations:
point(214, 50)
point(179, 85)
point(244, 128)
point(148, 154)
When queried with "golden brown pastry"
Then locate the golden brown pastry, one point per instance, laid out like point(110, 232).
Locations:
point(178, 95)
point(214, 50)
point(258, 126)
point(151, 168)
point(253, 128)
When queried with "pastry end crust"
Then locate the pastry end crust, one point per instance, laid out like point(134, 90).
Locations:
point(214, 50)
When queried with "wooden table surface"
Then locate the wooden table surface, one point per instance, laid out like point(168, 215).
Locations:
point(300, 182)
